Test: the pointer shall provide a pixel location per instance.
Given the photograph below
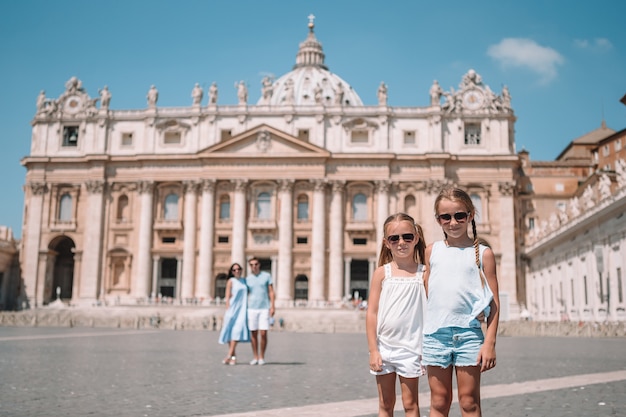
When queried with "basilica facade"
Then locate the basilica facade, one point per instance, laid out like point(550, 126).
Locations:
point(134, 206)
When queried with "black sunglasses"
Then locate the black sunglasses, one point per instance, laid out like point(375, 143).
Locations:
point(407, 237)
point(459, 216)
point(236, 269)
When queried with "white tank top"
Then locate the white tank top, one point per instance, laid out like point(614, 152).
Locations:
point(455, 293)
point(401, 311)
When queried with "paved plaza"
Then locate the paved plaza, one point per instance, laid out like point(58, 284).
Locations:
point(159, 373)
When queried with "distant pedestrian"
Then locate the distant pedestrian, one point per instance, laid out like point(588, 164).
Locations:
point(235, 325)
point(395, 315)
point(462, 289)
point(260, 309)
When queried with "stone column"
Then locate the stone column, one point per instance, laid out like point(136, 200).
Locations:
point(382, 211)
point(189, 239)
point(141, 282)
point(335, 257)
point(92, 245)
point(238, 252)
point(205, 282)
point(284, 279)
point(34, 279)
point(318, 244)
point(155, 278)
point(347, 262)
point(507, 277)
point(179, 278)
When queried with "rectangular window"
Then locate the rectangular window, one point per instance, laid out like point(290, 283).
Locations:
point(359, 241)
point(226, 134)
point(302, 240)
point(472, 134)
point(169, 240)
point(70, 136)
point(303, 134)
point(605, 150)
point(171, 138)
point(127, 139)
point(531, 223)
point(573, 294)
point(585, 288)
point(360, 136)
point(618, 145)
point(225, 210)
point(409, 137)
point(222, 239)
point(559, 187)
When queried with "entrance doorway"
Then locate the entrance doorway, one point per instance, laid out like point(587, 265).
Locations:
point(167, 277)
point(63, 270)
point(359, 278)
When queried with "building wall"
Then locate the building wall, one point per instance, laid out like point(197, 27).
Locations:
point(117, 243)
point(576, 271)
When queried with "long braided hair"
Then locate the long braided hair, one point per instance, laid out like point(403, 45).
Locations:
point(458, 195)
point(418, 252)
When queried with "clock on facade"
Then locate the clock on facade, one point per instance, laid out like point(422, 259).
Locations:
point(473, 99)
point(72, 104)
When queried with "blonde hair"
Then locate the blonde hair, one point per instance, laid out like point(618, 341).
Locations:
point(458, 195)
point(418, 252)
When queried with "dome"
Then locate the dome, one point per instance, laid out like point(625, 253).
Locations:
point(310, 82)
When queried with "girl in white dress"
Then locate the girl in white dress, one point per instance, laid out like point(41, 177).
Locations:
point(395, 314)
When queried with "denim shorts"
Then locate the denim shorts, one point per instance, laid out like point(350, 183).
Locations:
point(452, 346)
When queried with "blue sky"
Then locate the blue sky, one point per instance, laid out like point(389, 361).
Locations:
point(564, 62)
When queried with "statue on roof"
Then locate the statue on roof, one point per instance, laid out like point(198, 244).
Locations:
point(213, 93)
point(506, 98)
point(289, 97)
point(152, 96)
point(435, 93)
point(620, 171)
point(105, 97)
point(242, 92)
point(382, 94)
point(73, 85)
point(267, 88)
point(339, 92)
point(471, 79)
point(196, 94)
point(604, 186)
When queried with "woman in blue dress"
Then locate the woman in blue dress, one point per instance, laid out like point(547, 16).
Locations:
point(235, 324)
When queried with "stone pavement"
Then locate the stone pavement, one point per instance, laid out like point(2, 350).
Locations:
point(80, 371)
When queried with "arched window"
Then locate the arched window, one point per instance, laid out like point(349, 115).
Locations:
point(263, 206)
point(478, 205)
point(301, 289)
point(224, 207)
point(122, 208)
point(303, 207)
point(410, 206)
point(65, 208)
point(171, 207)
point(359, 207)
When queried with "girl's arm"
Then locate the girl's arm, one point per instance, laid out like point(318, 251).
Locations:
point(229, 284)
point(487, 354)
point(426, 275)
point(371, 319)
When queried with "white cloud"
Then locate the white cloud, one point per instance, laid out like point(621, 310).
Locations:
point(526, 53)
point(598, 44)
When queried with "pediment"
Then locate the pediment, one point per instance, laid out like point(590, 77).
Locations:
point(264, 141)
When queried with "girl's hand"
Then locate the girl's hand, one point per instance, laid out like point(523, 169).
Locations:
point(487, 357)
point(376, 362)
